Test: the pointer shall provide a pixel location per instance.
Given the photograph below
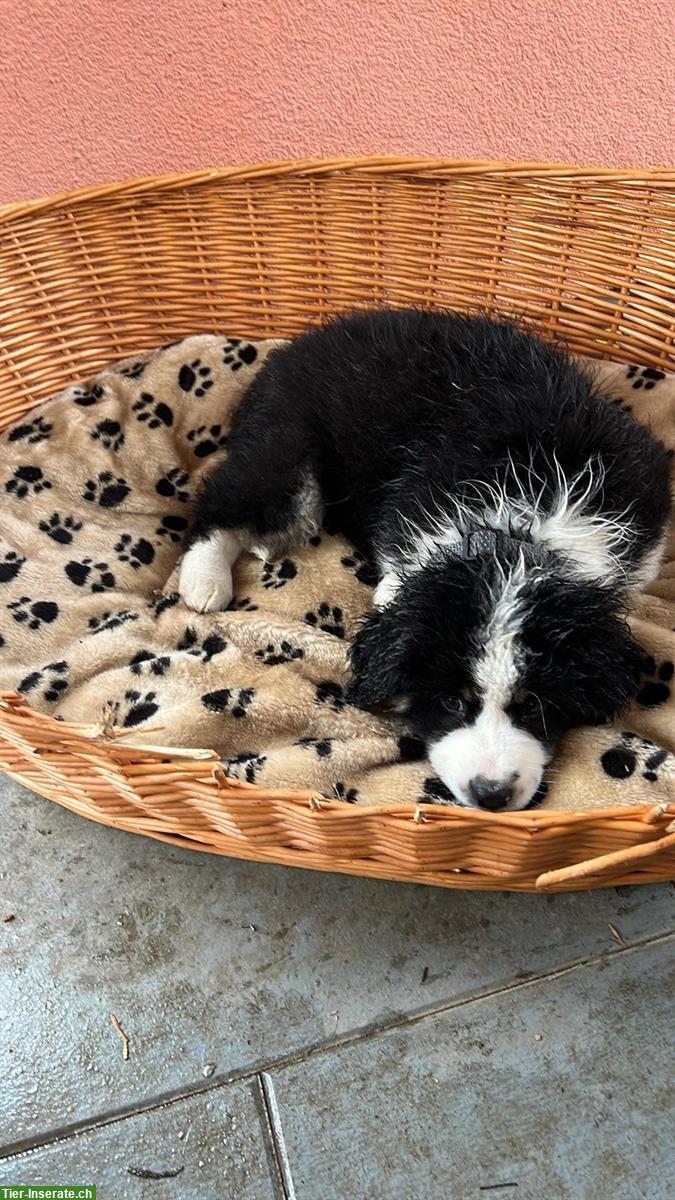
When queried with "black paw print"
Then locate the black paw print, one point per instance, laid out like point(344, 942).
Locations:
point(109, 434)
point(60, 529)
point(213, 644)
point(327, 618)
point(238, 354)
point(206, 441)
point(173, 484)
point(243, 604)
point(34, 432)
point(139, 708)
point(274, 656)
point(111, 620)
point(172, 528)
point(54, 678)
point(228, 700)
point(342, 792)
point(645, 377)
point(249, 764)
point(655, 690)
point(163, 603)
point(138, 554)
point(434, 791)
point(322, 747)
point(132, 370)
point(107, 490)
point(362, 569)
point(155, 413)
point(34, 614)
point(27, 481)
point(330, 693)
point(96, 576)
point(194, 377)
point(633, 753)
point(277, 575)
point(157, 664)
point(85, 397)
point(10, 565)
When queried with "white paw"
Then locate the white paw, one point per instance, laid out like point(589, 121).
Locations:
point(205, 577)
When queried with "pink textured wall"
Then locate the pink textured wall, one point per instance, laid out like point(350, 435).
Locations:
point(93, 90)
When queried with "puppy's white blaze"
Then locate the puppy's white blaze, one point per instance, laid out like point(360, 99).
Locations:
point(205, 577)
point(494, 748)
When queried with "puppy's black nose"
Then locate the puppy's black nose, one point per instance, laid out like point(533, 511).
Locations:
point(489, 793)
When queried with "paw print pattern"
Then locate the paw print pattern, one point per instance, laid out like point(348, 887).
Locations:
point(172, 528)
point(111, 620)
point(132, 370)
point(60, 529)
point(54, 679)
point(107, 490)
point(137, 554)
point(330, 693)
point(655, 690)
point(238, 354)
point(434, 791)
point(632, 754)
point(362, 569)
point(96, 576)
point(156, 664)
point(139, 707)
point(327, 618)
point(155, 413)
point(33, 432)
point(644, 377)
point(274, 656)
point(322, 747)
point(195, 378)
point(228, 700)
point(109, 434)
point(10, 565)
point(27, 481)
point(33, 613)
point(249, 764)
point(85, 397)
point(173, 484)
point(213, 644)
point(342, 792)
point(277, 575)
point(206, 440)
point(243, 604)
point(163, 603)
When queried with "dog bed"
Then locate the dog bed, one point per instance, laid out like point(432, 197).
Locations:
point(95, 492)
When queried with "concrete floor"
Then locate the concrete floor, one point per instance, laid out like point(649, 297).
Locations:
point(302, 1035)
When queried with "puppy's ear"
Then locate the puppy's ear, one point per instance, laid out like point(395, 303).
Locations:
point(378, 658)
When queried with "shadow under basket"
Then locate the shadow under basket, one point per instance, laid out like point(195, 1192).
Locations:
point(90, 276)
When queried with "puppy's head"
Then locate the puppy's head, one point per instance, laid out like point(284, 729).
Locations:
point(491, 663)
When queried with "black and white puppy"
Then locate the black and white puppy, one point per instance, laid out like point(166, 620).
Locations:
point(509, 509)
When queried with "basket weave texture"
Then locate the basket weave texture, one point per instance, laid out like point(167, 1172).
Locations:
point(98, 274)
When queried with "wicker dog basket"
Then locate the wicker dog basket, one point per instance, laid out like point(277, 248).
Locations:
point(97, 274)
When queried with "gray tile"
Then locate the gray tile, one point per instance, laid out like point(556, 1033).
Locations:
point(561, 1089)
point(210, 960)
point(214, 1142)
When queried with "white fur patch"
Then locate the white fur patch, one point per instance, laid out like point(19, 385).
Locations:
point(205, 577)
point(386, 589)
point(492, 748)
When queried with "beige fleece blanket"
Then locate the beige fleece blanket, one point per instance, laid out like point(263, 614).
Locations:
point(96, 489)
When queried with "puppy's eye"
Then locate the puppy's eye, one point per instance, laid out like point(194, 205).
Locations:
point(528, 704)
point(455, 705)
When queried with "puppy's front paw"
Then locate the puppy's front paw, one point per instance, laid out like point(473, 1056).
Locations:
point(205, 577)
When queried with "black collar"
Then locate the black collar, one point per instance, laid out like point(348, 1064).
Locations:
point(483, 543)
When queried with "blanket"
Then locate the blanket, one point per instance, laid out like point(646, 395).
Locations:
point(96, 492)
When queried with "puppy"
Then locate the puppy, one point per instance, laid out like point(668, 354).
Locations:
point(509, 508)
